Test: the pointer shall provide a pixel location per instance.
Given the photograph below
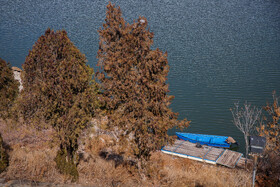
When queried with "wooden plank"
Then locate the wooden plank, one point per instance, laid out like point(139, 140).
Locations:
point(241, 162)
point(195, 153)
point(189, 157)
point(174, 146)
point(229, 158)
point(213, 154)
point(168, 148)
point(177, 143)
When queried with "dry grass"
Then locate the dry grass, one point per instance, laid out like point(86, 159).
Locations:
point(32, 156)
point(31, 153)
point(99, 172)
point(93, 169)
point(162, 170)
point(168, 170)
point(33, 165)
point(26, 135)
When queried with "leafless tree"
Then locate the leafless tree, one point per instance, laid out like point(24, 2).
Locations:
point(245, 118)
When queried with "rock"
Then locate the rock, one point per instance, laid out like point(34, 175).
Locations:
point(17, 72)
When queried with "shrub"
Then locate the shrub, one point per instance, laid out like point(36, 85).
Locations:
point(4, 159)
point(58, 89)
point(269, 165)
point(8, 89)
point(271, 129)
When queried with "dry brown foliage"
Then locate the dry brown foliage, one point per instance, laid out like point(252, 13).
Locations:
point(271, 129)
point(133, 78)
point(8, 89)
point(268, 172)
point(58, 89)
point(32, 159)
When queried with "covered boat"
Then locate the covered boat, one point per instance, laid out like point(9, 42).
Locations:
point(204, 139)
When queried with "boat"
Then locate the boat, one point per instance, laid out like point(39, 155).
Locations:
point(205, 139)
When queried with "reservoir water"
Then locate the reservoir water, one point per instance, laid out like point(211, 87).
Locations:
point(219, 52)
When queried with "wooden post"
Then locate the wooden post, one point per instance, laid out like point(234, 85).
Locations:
point(254, 169)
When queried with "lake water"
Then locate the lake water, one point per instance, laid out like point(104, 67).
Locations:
point(219, 51)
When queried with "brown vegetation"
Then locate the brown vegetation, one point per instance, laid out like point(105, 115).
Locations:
point(4, 159)
point(8, 89)
point(271, 128)
point(58, 90)
point(269, 165)
point(133, 79)
point(32, 155)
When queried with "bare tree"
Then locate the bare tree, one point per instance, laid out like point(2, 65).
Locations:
point(245, 118)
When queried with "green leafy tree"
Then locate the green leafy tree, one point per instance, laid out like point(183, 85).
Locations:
point(8, 89)
point(133, 78)
point(58, 89)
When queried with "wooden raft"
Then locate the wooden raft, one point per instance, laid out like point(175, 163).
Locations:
point(229, 158)
point(206, 153)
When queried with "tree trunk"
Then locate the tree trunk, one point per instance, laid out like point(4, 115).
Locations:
point(65, 162)
point(247, 147)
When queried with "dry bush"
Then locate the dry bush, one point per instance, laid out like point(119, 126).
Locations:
point(268, 172)
point(268, 168)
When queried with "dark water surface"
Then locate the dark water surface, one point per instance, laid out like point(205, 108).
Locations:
point(219, 51)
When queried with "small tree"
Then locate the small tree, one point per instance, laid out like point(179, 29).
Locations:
point(133, 78)
point(269, 165)
point(245, 119)
point(271, 129)
point(8, 89)
point(58, 89)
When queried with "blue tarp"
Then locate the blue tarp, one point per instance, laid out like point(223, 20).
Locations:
point(211, 140)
